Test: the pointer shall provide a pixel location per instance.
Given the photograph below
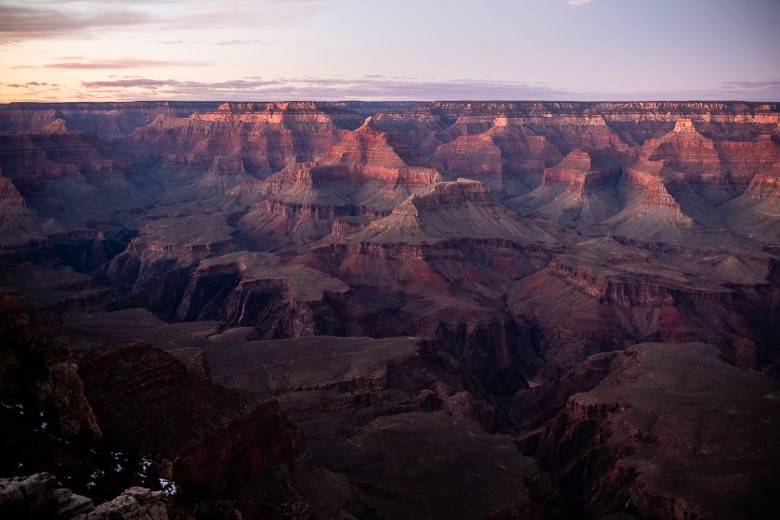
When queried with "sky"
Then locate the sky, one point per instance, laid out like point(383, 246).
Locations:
point(262, 50)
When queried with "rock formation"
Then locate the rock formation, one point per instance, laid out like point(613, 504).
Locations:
point(661, 412)
point(188, 427)
point(36, 496)
point(399, 421)
point(394, 277)
point(12, 204)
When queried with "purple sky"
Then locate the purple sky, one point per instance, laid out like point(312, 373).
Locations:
point(95, 50)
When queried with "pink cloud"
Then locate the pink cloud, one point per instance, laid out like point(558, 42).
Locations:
point(329, 89)
point(124, 63)
point(20, 23)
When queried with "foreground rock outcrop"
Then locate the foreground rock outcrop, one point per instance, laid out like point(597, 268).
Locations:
point(36, 496)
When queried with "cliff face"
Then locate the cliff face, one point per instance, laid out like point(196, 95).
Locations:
point(56, 152)
point(765, 185)
point(265, 137)
point(12, 205)
point(396, 418)
point(646, 431)
point(107, 120)
point(256, 290)
point(215, 438)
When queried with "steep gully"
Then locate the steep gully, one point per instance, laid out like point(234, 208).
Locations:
point(530, 246)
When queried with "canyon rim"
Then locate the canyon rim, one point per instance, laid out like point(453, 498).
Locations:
point(390, 309)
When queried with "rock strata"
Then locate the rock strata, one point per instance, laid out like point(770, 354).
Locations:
point(215, 438)
point(670, 455)
point(395, 277)
point(37, 496)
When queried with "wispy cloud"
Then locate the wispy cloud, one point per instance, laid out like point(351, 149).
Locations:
point(30, 19)
point(176, 85)
point(239, 42)
point(577, 3)
point(322, 89)
point(752, 85)
point(33, 85)
point(217, 42)
point(761, 90)
point(123, 63)
point(22, 22)
point(376, 87)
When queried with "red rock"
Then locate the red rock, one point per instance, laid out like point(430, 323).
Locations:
point(216, 438)
point(474, 156)
point(562, 230)
point(12, 204)
point(463, 208)
point(646, 179)
point(225, 173)
point(765, 186)
point(266, 137)
point(653, 438)
point(107, 120)
point(571, 172)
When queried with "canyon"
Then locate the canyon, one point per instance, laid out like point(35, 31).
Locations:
point(391, 309)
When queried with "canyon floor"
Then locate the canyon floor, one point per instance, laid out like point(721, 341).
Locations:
point(385, 310)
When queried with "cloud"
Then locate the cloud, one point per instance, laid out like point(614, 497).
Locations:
point(218, 42)
point(762, 90)
point(22, 22)
point(181, 87)
point(30, 19)
point(239, 42)
point(123, 63)
point(246, 13)
point(577, 3)
point(34, 85)
point(772, 84)
point(323, 89)
point(132, 88)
